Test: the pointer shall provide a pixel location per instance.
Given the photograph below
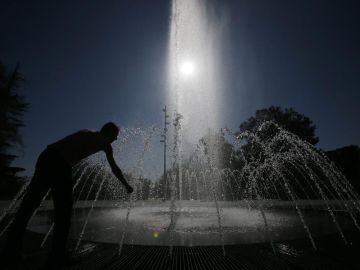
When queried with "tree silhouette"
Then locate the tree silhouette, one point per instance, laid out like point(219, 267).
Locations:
point(264, 129)
point(12, 109)
point(216, 150)
point(287, 119)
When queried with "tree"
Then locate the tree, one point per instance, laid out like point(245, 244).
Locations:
point(216, 150)
point(265, 139)
point(287, 119)
point(12, 109)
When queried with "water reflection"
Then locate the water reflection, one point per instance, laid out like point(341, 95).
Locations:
point(194, 225)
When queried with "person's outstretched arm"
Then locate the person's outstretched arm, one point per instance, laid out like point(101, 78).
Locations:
point(115, 168)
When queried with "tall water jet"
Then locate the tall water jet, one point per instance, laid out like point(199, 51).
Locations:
point(194, 77)
point(194, 66)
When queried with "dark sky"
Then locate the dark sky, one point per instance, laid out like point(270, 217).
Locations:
point(87, 62)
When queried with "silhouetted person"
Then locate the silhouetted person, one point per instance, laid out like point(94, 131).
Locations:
point(53, 171)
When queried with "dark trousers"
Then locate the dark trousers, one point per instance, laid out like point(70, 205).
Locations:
point(51, 172)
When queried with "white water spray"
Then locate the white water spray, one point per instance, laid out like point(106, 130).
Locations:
point(195, 67)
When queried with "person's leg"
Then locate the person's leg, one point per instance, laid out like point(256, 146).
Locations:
point(34, 195)
point(62, 196)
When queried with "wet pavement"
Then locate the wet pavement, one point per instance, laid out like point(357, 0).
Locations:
point(147, 245)
point(332, 253)
point(195, 225)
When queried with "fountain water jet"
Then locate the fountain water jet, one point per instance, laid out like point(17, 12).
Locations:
point(194, 76)
point(274, 196)
point(271, 197)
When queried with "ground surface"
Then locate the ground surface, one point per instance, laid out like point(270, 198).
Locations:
point(332, 253)
point(194, 223)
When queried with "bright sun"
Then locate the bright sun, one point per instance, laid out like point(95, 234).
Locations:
point(187, 68)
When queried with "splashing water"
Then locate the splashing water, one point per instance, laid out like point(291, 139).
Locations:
point(271, 183)
point(272, 186)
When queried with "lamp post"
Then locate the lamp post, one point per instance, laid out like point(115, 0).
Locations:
point(166, 123)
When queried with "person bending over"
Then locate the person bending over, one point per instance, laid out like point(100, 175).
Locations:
point(53, 171)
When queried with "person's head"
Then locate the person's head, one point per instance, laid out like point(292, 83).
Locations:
point(110, 131)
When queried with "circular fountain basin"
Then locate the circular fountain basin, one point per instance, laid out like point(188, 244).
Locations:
point(197, 223)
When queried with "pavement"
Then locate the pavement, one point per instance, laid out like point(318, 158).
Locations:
point(331, 253)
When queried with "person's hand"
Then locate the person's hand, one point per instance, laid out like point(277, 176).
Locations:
point(129, 189)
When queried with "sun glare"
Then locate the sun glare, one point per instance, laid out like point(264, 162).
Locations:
point(187, 68)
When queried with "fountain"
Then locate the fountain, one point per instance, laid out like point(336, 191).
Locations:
point(270, 186)
point(284, 189)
